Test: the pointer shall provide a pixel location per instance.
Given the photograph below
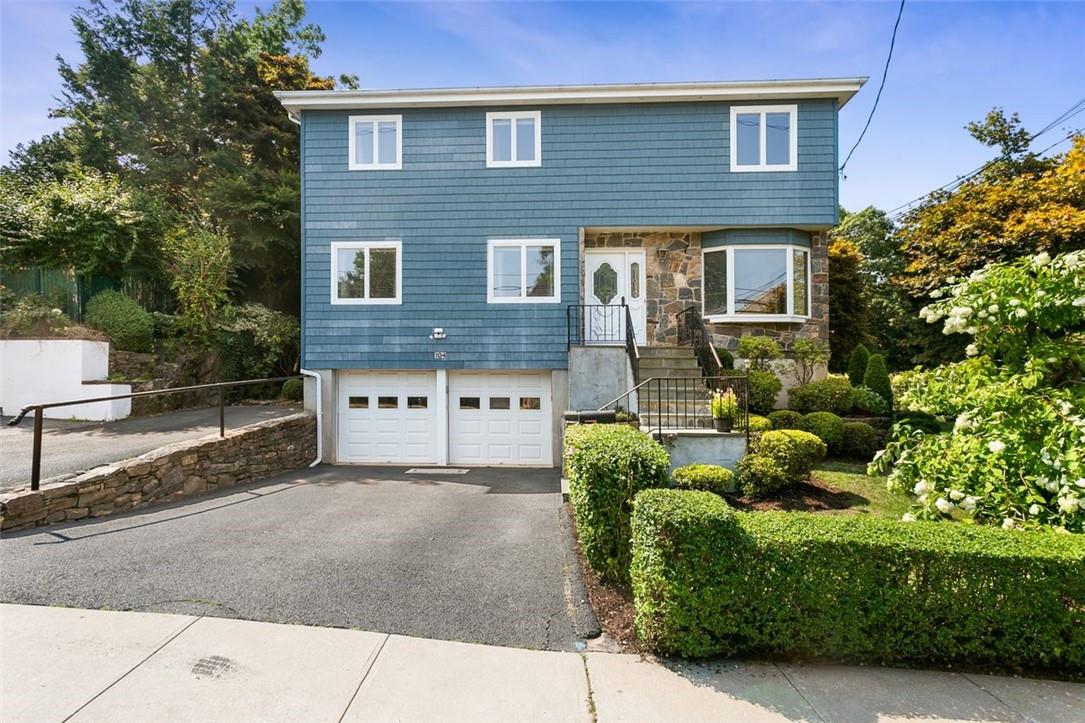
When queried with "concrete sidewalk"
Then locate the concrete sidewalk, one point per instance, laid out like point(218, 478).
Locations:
point(89, 665)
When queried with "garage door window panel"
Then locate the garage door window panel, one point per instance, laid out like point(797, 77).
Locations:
point(417, 402)
point(388, 402)
point(358, 402)
point(470, 403)
point(530, 404)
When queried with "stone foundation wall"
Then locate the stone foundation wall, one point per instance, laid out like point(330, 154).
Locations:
point(674, 273)
point(166, 474)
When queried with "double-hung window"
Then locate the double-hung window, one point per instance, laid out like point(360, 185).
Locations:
point(524, 271)
point(757, 283)
point(375, 143)
point(369, 272)
point(764, 138)
point(514, 138)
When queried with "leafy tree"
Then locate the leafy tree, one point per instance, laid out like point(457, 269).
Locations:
point(89, 221)
point(201, 269)
point(808, 354)
point(1019, 205)
point(175, 98)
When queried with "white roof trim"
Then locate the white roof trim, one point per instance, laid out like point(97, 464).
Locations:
point(841, 89)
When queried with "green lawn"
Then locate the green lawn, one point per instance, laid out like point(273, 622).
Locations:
point(875, 498)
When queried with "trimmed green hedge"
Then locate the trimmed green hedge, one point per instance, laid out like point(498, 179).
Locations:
point(707, 477)
point(759, 423)
point(763, 389)
point(860, 441)
point(785, 419)
point(832, 394)
point(607, 464)
point(708, 580)
point(828, 427)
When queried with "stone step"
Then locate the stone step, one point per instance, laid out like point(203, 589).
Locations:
point(666, 351)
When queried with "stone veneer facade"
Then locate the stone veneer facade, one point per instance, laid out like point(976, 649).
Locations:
point(674, 272)
point(169, 473)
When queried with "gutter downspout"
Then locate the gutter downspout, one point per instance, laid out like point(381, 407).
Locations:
point(319, 418)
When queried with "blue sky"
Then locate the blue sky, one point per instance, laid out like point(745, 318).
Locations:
point(953, 62)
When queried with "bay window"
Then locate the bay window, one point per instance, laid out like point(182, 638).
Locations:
point(757, 283)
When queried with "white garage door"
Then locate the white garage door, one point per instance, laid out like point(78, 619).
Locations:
point(498, 418)
point(388, 417)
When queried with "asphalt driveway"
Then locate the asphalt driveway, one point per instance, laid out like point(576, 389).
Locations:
point(69, 446)
point(484, 557)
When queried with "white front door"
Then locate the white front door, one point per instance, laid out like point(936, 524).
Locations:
point(388, 417)
point(610, 277)
point(499, 418)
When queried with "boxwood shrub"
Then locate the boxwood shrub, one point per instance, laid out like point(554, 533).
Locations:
point(832, 394)
point(708, 581)
point(785, 419)
point(759, 423)
point(764, 387)
point(860, 441)
point(779, 459)
point(607, 464)
point(828, 427)
point(707, 477)
point(760, 475)
point(127, 324)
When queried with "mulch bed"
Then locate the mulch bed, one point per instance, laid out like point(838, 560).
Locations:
point(613, 604)
point(811, 496)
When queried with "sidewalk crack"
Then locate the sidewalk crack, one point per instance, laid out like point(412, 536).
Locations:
point(796, 689)
point(154, 652)
point(365, 674)
point(591, 693)
point(1016, 712)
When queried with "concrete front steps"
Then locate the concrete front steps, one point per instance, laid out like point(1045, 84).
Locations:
point(679, 404)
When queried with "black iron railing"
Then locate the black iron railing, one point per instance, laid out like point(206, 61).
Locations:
point(667, 404)
point(38, 409)
point(631, 343)
point(595, 324)
point(692, 330)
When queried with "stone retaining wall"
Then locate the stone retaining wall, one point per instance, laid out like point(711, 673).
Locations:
point(167, 474)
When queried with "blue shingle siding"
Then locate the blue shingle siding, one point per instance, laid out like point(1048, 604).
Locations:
point(602, 165)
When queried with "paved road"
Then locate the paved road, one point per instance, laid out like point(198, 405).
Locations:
point(73, 446)
point(484, 557)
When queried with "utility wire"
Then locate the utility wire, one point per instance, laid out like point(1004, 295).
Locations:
point(881, 86)
point(1075, 109)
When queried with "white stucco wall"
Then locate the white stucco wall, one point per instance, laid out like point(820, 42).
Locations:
point(38, 371)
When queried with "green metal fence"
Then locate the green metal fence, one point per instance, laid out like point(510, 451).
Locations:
point(64, 288)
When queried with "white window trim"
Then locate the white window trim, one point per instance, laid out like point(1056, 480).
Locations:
point(367, 246)
point(793, 145)
point(376, 165)
point(522, 244)
point(513, 116)
point(731, 317)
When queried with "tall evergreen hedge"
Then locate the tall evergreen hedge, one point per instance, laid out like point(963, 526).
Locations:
point(876, 378)
point(857, 365)
point(607, 464)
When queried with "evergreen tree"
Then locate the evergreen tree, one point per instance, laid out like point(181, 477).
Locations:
point(857, 365)
point(877, 378)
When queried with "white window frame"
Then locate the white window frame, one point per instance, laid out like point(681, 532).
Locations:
point(522, 244)
point(376, 165)
point(512, 116)
point(366, 246)
point(731, 316)
point(793, 140)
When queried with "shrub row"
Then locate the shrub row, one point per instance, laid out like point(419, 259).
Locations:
point(607, 464)
point(708, 580)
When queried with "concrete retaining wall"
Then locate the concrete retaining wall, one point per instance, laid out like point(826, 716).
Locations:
point(707, 447)
point(167, 474)
point(597, 375)
point(38, 371)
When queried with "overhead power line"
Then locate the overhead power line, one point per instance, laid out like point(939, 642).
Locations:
point(1073, 110)
point(881, 86)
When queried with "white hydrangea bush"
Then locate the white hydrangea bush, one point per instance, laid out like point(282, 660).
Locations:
point(1015, 456)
